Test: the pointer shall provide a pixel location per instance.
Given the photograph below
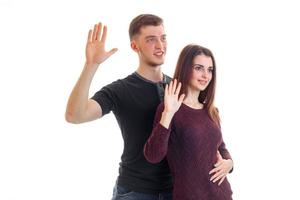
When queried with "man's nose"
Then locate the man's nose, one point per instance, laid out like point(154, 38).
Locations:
point(159, 44)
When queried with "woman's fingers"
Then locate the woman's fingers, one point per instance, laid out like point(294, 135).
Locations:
point(219, 163)
point(214, 170)
point(222, 179)
point(174, 86)
point(217, 176)
point(219, 173)
point(173, 89)
point(181, 98)
point(170, 88)
point(166, 90)
point(178, 89)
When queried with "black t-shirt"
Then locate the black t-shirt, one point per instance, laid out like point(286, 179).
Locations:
point(134, 100)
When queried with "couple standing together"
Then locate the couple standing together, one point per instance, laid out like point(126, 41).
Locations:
point(173, 146)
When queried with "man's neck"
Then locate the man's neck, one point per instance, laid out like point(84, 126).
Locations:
point(153, 74)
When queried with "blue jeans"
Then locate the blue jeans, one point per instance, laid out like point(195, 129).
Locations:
point(121, 193)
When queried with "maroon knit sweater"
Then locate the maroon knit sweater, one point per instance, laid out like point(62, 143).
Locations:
point(190, 144)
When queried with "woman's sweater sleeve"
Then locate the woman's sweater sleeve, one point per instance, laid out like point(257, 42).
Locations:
point(156, 146)
point(224, 152)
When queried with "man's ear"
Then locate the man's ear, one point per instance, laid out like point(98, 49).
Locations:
point(134, 46)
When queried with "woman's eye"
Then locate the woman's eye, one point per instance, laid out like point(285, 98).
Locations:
point(198, 68)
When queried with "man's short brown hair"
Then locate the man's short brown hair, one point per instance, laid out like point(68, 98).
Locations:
point(143, 20)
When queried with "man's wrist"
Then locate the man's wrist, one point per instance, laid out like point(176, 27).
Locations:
point(91, 65)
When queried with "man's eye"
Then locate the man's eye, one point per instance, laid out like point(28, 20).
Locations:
point(151, 40)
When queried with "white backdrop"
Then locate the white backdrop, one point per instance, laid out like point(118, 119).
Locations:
point(42, 45)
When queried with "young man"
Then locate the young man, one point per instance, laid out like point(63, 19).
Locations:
point(133, 100)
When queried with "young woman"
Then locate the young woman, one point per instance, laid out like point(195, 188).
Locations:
point(187, 130)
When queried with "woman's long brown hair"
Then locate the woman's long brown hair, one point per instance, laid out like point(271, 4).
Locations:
point(183, 73)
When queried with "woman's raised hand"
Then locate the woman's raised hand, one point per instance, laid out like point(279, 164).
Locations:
point(171, 100)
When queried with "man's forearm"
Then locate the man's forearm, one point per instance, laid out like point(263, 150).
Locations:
point(78, 99)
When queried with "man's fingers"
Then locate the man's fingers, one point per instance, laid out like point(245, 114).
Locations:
point(99, 30)
point(94, 33)
point(112, 51)
point(89, 39)
point(103, 38)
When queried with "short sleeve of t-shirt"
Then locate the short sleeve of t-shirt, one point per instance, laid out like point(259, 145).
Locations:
point(107, 97)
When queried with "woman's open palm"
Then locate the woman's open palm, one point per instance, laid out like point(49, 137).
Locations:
point(171, 100)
